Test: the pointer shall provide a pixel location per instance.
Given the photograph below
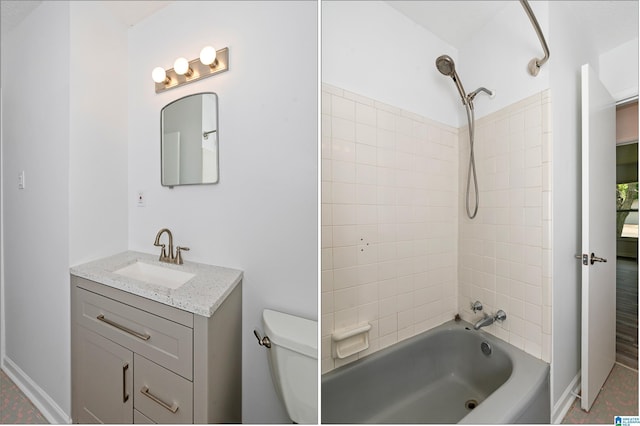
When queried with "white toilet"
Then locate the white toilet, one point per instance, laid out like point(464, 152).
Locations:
point(293, 360)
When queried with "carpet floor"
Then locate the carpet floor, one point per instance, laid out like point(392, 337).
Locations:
point(618, 397)
point(15, 408)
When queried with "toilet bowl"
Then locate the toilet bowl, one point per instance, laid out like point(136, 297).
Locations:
point(293, 361)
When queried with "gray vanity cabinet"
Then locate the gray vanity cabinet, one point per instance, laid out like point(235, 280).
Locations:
point(135, 360)
point(104, 369)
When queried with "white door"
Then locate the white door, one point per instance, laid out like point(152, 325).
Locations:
point(598, 235)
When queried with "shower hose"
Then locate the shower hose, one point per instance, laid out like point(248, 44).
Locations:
point(471, 174)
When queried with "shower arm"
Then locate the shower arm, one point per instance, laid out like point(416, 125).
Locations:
point(535, 63)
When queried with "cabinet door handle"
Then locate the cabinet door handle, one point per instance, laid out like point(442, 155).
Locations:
point(123, 328)
point(125, 395)
point(145, 391)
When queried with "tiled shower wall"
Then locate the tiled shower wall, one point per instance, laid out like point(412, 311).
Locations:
point(389, 221)
point(398, 251)
point(505, 252)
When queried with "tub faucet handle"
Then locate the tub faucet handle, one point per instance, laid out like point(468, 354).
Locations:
point(476, 306)
point(500, 315)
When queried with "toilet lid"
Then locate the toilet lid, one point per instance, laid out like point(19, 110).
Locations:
point(294, 333)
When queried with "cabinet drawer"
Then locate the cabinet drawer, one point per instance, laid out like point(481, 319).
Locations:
point(156, 338)
point(159, 394)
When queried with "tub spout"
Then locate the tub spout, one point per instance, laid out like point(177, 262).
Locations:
point(488, 320)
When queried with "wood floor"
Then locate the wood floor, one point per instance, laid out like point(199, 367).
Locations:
point(627, 312)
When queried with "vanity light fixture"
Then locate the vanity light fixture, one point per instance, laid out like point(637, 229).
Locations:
point(159, 75)
point(211, 62)
point(181, 67)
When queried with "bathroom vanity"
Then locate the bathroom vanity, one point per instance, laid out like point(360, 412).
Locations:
point(143, 352)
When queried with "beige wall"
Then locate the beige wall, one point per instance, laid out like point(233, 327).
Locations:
point(398, 251)
point(627, 123)
point(389, 221)
point(504, 255)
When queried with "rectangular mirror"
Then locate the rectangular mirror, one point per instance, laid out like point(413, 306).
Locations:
point(189, 140)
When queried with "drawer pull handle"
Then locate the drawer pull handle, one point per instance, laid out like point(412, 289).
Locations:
point(123, 328)
point(145, 391)
point(125, 395)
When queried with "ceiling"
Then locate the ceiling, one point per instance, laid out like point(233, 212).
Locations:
point(129, 12)
point(610, 23)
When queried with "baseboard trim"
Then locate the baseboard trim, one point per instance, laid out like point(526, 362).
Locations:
point(42, 401)
point(563, 405)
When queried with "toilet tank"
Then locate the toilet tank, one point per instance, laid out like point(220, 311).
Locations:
point(293, 359)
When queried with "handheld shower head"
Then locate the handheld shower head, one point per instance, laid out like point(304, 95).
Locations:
point(447, 67)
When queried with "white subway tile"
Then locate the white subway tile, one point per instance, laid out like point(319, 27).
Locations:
point(385, 120)
point(344, 257)
point(343, 108)
point(344, 214)
point(345, 299)
point(345, 277)
point(367, 254)
point(365, 114)
point(366, 154)
point(366, 194)
point(386, 139)
point(366, 134)
point(343, 171)
point(343, 150)
point(367, 273)
point(366, 214)
point(326, 280)
point(343, 129)
point(388, 325)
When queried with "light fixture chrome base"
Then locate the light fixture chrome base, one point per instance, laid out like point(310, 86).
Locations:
point(200, 71)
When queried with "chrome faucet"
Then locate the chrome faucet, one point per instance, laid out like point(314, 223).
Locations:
point(476, 306)
point(169, 258)
point(488, 320)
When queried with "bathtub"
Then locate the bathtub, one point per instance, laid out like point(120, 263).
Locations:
point(440, 376)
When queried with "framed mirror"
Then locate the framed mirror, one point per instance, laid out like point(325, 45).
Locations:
point(189, 140)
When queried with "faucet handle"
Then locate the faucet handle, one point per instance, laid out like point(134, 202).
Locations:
point(179, 255)
point(500, 315)
point(476, 306)
point(163, 252)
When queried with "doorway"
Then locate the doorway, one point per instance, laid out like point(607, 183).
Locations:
point(627, 234)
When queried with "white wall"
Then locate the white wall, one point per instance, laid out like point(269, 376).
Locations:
point(371, 49)
point(36, 221)
point(497, 57)
point(619, 70)
point(262, 215)
point(98, 133)
point(67, 131)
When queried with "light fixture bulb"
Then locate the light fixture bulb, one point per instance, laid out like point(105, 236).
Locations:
point(159, 75)
point(208, 55)
point(181, 67)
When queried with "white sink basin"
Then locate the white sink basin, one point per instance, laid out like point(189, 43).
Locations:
point(156, 275)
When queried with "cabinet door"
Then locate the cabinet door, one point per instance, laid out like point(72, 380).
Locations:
point(103, 380)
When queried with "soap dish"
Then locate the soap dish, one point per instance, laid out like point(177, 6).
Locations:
point(349, 341)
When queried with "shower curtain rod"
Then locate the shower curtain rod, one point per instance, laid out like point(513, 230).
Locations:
point(535, 63)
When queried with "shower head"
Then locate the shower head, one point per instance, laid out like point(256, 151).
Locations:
point(447, 67)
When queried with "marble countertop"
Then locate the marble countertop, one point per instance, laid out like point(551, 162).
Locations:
point(201, 295)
